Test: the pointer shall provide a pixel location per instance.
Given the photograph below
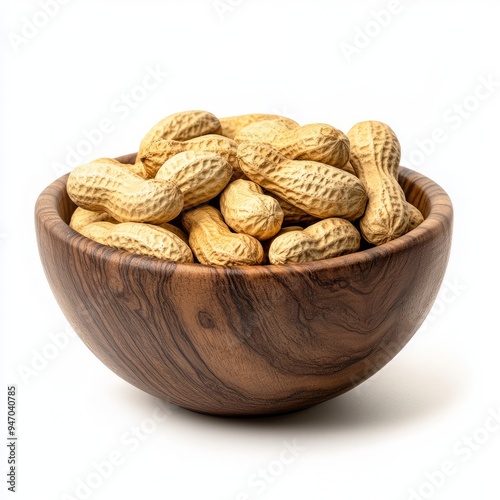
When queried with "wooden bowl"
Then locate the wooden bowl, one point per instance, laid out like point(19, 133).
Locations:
point(246, 340)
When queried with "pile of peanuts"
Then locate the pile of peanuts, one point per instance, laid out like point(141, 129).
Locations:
point(246, 190)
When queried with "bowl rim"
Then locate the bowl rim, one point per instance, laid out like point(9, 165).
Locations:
point(439, 218)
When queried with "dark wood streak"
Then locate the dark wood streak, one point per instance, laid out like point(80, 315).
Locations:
point(252, 340)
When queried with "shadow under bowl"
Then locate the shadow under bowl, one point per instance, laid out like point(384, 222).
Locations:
point(246, 341)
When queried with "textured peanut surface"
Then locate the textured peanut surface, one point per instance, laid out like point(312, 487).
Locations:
point(317, 142)
point(181, 127)
point(136, 168)
point(139, 238)
point(123, 195)
point(158, 152)
point(349, 168)
point(319, 189)
point(213, 243)
point(82, 218)
point(263, 172)
point(266, 244)
point(287, 229)
point(415, 217)
point(323, 240)
point(199, 175)
point(375, 156)
point(111, 160)
point(247, 210)
point(231, 125)
point(176, 230)
point(291, 213)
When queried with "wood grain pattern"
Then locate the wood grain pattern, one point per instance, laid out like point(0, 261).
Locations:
point(250, 340)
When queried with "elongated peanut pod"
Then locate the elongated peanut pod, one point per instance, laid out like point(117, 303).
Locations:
point(415, 217)
point(317, 141)
point(199, 175)
point(323, 240)
point(82, 218)
point(140, 238)
point(318, 189)
point(231, 125)
point(111, 160)
point(158, 152)
point(247, 210)
point(292, 214)
point(285, 230)
point(136, 168)
point(177, 231)
point(181, 127)
point(349, 168)
point(375, 156)
point(266, 245)
point(213, 243)
point(123, 195)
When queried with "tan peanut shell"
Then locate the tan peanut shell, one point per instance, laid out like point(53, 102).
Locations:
point(111, 160)
point(199, 175)
point(323, 240)
point(231, 125)
point(181, 127)
point(285, 230)
point(247, 210)
point(158, 152)
point(317, 141)
point(375, 156)
point(123, 195)
point(137, 168)
point(213, 243)
point(292, 214)
point(415, 217)
point(82, 218)
point(267, 243)
point(318, 189)
point(176, 230)
point(349, 168)
point(140, 238)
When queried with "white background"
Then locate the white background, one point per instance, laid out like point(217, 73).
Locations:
point(422, 69)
